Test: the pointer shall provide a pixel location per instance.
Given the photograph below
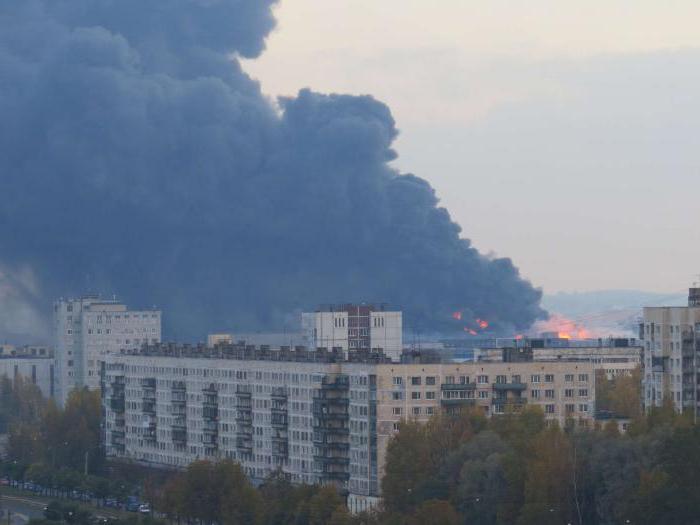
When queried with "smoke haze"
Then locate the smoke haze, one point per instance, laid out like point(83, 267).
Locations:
point(139, 159)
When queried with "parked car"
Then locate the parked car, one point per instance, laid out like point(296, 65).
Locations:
point(144, 508)
point(4, 481)
point(111, 502)
point(132, 504)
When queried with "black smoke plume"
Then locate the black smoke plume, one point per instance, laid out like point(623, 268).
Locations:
point(138, 158)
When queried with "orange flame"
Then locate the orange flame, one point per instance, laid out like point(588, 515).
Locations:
point(457, 315)
point(482, 324)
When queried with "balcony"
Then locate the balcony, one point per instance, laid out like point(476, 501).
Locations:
point(457, 386)
point(148, 383)
point(279, 393)
point(179, 436)
point(329, 448)
point(340, 382)
point(517, 387)
point(148, 407)
point(332, 460)
point(117, 404)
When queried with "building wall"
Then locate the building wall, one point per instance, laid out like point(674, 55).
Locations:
point(334, 420)
point(355, 328)
point(37, 370)
point(670, 340)
point(88, 329)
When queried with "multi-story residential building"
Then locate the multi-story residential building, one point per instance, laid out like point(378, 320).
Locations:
point(319, 417)
point(88, 329)
point(33, 363)
point(671, 339)
point(354, 328)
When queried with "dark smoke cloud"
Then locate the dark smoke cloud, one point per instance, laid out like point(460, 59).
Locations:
point(138, 158)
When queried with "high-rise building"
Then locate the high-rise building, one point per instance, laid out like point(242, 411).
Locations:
point(88, 329)
point(318, 417)
point(671, 339)
point(354, 328)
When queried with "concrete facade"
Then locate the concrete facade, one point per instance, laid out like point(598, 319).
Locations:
point(88, 329)
point(671, 341)
point(316, 416)
point(354, 328)
point(37, 369)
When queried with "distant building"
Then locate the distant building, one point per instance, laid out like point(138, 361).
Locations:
point(354, 328)
point(88, 329)
point(34, 363)
point(613, 356)
point(217, 339)
point(671, 339)
point(315, 415)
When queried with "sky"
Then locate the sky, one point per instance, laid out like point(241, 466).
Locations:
point(564, 135)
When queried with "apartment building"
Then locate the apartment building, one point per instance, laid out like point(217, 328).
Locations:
point(670, 337)
point(354, 328)
point(89, 328)
point(319, 417)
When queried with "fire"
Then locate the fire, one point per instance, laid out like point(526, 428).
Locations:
point(482, 324)
point(563, 327)
point(470, 331)
point(457, 315)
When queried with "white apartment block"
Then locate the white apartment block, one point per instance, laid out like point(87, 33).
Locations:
point(88, 329)
point(316, 416)
point(354, 328)
point(671, 339)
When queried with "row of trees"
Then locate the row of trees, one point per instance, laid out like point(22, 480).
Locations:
point(220, 493)
point(516, 469)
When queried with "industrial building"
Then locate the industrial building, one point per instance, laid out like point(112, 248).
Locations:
point(34, 364)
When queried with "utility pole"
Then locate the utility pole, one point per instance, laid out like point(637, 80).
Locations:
point(87, 452)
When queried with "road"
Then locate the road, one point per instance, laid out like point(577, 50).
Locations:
point(24, 507)
point(21, 509)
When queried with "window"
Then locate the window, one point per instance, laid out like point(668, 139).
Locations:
point(430, 395)
point(501, 380)
point(549, 378)
point(535, 378)
point(515, 379)
point(569, 378)
point(396, 427)
point(583, 407)
point(549, 394)
point(416, 411)
point(430, 380)
point(430, 410)
point(463, 380)
point(396, 411)
point(415, 395)
point(583, 378)
point(483, 394)
point(582, 392)
point(450, 380)
point(535, 394)
point(570, 408)
point(398, 380)
point(416, 380)
point(482, 380)
point(397, 396)
point(549, 409)
point(569, 392)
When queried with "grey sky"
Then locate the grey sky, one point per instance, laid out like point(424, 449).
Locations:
point(561, 134)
